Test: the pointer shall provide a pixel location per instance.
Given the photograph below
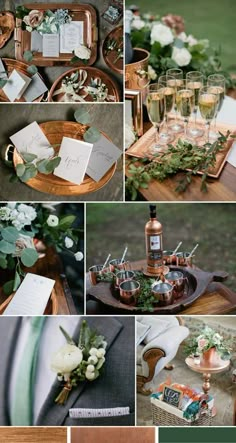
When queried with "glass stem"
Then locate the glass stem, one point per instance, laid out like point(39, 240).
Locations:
point(208, 123)
point(157, 134)
point(195, 117)
point(185, 126)
point(215, 122)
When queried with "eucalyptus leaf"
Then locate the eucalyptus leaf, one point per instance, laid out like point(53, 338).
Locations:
point(17, 281)
point(41, 166)
point(30, 172)
point(10, 234)
point(178, 43)
point(8, 287)
point(13, 179)
point(29, 257)
point(32, 69)
point(92, 135)
point(20, 170)
point(52, 164)
point(3, 263)
point(82, 116)
point(28, 157)
point(3, 82)
point(28, 56)
point(7, 248)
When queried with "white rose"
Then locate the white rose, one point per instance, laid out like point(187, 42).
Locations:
point(90, 375)
point(83, 52)
point(52, 220)
point(183, 36)
point(137, 23)
point(162, 34)
point(24, 241)
point(181, 56)
point(129, 136)
point(191, 40)
point(68, 242)
point(66, 359)
point(151, 73)
point(79, 256)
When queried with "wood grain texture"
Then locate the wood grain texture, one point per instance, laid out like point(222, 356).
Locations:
point(114, 435)
point(33, 435)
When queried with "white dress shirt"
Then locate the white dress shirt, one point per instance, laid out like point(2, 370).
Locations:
point(51, 341)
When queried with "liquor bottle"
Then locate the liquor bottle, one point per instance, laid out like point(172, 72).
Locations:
point(154, 248)
point(128, 45)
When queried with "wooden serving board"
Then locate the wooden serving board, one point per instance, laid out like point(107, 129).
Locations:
point(198, 282)
point(85, 13)
point(141, 147)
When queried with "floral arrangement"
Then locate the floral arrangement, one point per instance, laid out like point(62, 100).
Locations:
point(208, 339)
point(45, 22)
point(113, 45)
point(22, 226)
point(75, 363)
point(82, 53)
point(171, 47)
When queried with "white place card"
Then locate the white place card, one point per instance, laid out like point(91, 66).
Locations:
point(71, 36)
point(232, 155)
point(3, 72)
point(16, 85)
point(51, 45)
point(104, 155)
point(32, 139)
point(75, 156)
point(36, 88)
point(31, 297)
point(36, 42)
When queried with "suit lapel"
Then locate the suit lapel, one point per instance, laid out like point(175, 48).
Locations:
point(53, 414)
point(9, 328)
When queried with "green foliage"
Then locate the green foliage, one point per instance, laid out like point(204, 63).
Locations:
point(10, 234)
point(8, 287)
point(28, 56)
point(207, 339)
point(30, 168)
point(32, 69)
point(92, 135)
point(82, 116)
point(3, 82)
point(6, 248)
point(22, 11)
point(29, 257)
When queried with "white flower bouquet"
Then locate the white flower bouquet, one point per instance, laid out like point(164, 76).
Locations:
point(45, 22)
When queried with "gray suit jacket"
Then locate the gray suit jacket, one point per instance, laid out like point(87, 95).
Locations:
point(114, 388)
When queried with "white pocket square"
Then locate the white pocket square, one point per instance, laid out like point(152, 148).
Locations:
point(104, 412)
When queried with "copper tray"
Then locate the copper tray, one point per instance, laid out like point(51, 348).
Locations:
point(7, 23)
point(198, 282)
point(10, 65)
point(50, 184)
point(85, 13)
point(112, 55)
point(51, 308)
point(140, 148)
point(92, 73)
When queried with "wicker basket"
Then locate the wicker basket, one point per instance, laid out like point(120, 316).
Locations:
point(162, 417)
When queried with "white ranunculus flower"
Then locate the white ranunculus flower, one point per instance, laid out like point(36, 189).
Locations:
point(24, 241)
point(129, 136)
point(137, 23)
point(52, 220)
point(66, 359)
point(83, 52)
point(181, 56)
point(151, 73)
point(162, 34)
point(79, 256)
point(68, 242)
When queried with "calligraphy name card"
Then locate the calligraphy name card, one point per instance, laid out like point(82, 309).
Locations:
point(104, 155)
point(16, 85)
point(75, 156)
point(32, 140)
point(32, 296)
point(71, 36)
point(51, 45)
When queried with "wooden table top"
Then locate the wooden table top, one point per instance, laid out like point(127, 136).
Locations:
point(33, 435)
point(217, 300)
point(221, 189)
point(213, 368)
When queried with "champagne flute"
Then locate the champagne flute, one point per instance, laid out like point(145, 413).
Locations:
point(208, 104)
point(169, 95)
point(185, 105)
point(194, 81)
point(178, 83)
point(216, 85)
point(156, 110)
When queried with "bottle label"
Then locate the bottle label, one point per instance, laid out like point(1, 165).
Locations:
point(154, 242)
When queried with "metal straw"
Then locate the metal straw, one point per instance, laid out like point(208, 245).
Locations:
point(126, 249)
point(176, 249)
point(194, 249)
point(106, 261)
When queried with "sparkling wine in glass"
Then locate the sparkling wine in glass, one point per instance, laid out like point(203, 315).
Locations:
point(194, 81)
point(216, 85)
point(177, 82)
point(156, 111)
point(185, 105)
point(208, 105)
point(169, 96)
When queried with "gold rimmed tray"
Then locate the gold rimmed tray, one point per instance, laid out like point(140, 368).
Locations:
point(85, 13)
point(91, 73)
point(50, 184)
point(7, 24)
point(110, 57)
point(10, 65)
point(141, 147)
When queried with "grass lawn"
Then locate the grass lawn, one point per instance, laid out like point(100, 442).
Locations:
point(212, 19)
point(110, 227)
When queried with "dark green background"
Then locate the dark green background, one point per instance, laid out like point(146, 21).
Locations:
point(200, 435)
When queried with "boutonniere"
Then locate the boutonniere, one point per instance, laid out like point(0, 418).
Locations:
point(75, 363)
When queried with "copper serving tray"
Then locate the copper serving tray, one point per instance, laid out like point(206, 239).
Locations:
point(10, 65)
point(50, 184)
point(198, 282)
point(110, 58)
point(92, 73)
point(140, 148)
point(85, 13)
point(7, 23)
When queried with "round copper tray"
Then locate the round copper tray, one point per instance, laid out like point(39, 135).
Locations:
point(10, 65)
point(92, 73)
point(110, 58)
point(50, 184)
point(7, 23)
point(51, 308)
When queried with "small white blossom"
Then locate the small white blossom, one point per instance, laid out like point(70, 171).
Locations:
point(101, 352)
point(90, 375)
point(90, 368)
point(93, 351)
point(79, 256)
point(93, 359)
point(151, 73)
point(82, 52)
point(137, 23)
point(5, 213)
point(52, 220)
point(68, 242)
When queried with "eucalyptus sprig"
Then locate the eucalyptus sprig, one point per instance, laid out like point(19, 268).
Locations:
point(184, 157)
point(91, 134)
point(31, 166)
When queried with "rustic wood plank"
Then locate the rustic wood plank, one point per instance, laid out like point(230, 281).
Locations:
point(116, 435)
point(33, 435)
